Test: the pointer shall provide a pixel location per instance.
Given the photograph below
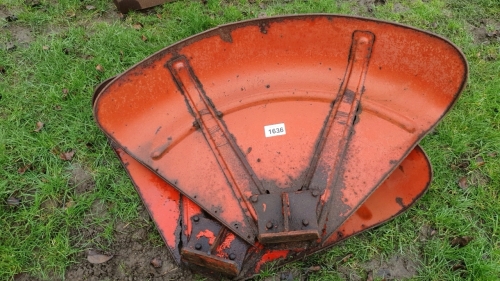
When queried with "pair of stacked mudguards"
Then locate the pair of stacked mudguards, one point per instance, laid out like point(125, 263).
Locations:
point(271, 139)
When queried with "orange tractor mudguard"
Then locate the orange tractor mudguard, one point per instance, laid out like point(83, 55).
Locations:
point(279, 136)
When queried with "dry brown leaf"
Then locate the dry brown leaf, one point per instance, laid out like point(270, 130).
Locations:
point(99, 68)
point(144, 38)
point(98, 258)
point(90, 7)
point(13, 201)
point(67, 156)
point(461, 241)
point(314, 268)
point(57, 107)
point(492, 154)
point(23, 169)
point(462, 182)
point(39, 126)
point(45, 48)
point(137, 26)
point(156, 262)
point(158, 16)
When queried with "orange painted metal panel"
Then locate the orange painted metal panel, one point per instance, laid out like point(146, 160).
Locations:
point(281, 128)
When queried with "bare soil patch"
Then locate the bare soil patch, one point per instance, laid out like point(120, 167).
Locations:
point(485, 31)
point(133, 255)
point(396, 267)
point(81, 179)
point(12, 34)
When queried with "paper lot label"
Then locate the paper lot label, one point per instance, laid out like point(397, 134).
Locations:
point(275, 130)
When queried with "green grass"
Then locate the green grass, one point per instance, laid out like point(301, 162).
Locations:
point(37, 236)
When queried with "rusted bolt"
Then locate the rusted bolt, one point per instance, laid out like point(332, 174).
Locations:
point(196, 219)
point(315, 193)
point(197, 246)
point(254, 198)
point(305, 222)
point(269, 225)
point(232, 256)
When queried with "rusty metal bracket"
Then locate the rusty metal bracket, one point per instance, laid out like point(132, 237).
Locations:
point(214, 247)
point(287, 217)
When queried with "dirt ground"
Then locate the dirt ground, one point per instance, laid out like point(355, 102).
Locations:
point(132, 256)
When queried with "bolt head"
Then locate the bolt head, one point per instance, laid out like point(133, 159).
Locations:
point(254, 198)
point(269, 225)
point(197, 246)
point(305, 222)
point(196, 219)
point(232, 256)
point(315, 193)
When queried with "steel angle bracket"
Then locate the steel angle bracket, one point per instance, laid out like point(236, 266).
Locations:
point(200, 242)
point(280, 128)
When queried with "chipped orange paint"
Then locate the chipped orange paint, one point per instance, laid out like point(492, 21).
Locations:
point(226, 244)
point(270, 256)
point(207, 234)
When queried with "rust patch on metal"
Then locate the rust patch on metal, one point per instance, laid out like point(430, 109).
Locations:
point(399, 200)
point(264, 27)
point(225, 35)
